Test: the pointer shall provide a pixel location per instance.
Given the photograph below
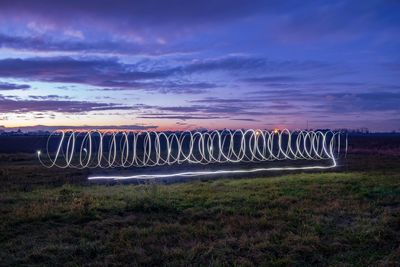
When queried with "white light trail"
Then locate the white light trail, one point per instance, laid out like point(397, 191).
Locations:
point(125, 149)
point(202, 173)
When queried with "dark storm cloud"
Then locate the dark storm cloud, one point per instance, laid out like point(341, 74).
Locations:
point(12, 86)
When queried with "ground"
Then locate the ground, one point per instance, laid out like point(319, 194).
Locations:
point(343, 218)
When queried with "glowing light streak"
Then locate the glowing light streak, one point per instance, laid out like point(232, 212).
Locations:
point(125, 149)
point(201, 173)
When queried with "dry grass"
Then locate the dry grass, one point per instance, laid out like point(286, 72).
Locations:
point(336, 219)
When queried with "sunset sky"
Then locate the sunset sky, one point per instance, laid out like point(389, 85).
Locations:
point(200, 64)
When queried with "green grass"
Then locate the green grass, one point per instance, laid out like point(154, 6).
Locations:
point(337, 219)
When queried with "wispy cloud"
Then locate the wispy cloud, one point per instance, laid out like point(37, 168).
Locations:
point(179, 117)
point(86, 127)
point(232, 61)
point(249, 64)
point(12, 86)
point(8, 105)
point(48, 97)
point(111, 74)
point(269, 79)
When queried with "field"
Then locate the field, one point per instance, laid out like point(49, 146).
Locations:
point(346, 217)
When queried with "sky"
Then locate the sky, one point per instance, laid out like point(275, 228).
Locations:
point(179, 65)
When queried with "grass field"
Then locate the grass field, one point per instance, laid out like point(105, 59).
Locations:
point(343, 218)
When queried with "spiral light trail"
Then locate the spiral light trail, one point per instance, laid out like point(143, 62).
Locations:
point(126, 149)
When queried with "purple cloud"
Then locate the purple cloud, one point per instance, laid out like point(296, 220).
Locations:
point(244, 63)
point(253, 58)
point(114, 75)
point(179, 117)
point(269, 79)
point(13, 86)
point(66, 69)
point(11, 105)
point(137, 12)
point(86, 127)
point(48, 97)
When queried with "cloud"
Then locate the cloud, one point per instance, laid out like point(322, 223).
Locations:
point(335, 22)
point(210, 110)
point(296, 102)
point(236, 105)
point(108, 73)
point(269, 79)
point(219, 101)
point(369, 101)
point(156, 27)
point(84, 127)
point(45, 43)
point(129, 27)
point(163, 87)
point(254, 59)
point(178, 117)
point(67, 69)
point(9, 105)
point(48, 97)
point(244, 119)
point(13, 86)
point(111, 74)
point(217, 108)
point(135, 13)
point(282, 19)
point(98, 72)
point(247, 64)
point(336, 102)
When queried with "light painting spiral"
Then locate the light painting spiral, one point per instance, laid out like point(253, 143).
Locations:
point(126, 149)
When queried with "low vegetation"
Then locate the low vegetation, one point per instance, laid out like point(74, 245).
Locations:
point(337, 218)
